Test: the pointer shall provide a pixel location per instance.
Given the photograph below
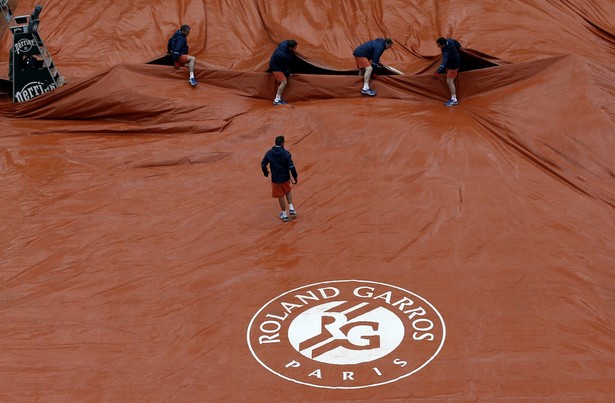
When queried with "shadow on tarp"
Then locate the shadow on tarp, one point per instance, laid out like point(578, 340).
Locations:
point(472, 60)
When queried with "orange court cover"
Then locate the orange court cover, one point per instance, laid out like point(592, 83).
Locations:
point(437, 254)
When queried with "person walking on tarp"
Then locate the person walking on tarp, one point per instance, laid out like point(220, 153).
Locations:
point(282, 166)
point(178, 48)
point(279, 65)
point(451, 62)
point(367, 56)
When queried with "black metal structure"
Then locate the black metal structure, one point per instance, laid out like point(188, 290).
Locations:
point(31, 69)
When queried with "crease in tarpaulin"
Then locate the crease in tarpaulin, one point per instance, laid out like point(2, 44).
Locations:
point(185, 160)
point(550, 166)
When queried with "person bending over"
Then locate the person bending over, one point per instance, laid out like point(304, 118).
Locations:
point(279, 65)
point(451, 62)
point(367, 56)
point(179, 52)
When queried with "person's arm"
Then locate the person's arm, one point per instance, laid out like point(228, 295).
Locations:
point(264, 163)
point(291, 167)
point(186, 48)
point(180, 44)
point(442, 67)
point(377, 54)
point(288, 58)
point(293, 172)
point(177, 46)
point(174, 52)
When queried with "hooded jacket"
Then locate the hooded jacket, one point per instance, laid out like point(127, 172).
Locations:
point(281, 163)
point(281, 58)
point(180, 45)
point(450, 56)
point(372, 50)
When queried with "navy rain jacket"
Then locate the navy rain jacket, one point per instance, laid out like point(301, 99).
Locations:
point(372, 50)
point(180, 45)
point(281, 58)
point(450, 56)
point(282, 165)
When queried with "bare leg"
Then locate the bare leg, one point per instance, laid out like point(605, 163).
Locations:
point(451, 86)
point(281, 88)
point(289, 197)
point(282, 203)
point(367, 76)
point(191, 64)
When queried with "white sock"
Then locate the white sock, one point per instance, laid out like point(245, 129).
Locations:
point(277, 98)
point(291, 207)
point(366, 86)
point(454, 98)
point(284, 214)
point(191, 75)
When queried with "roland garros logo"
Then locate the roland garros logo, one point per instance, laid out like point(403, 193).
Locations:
point(346, 334)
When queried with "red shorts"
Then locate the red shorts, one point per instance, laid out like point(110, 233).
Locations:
point(181, 62)
point(451, 73)
point(362, 62)
point(280, 189)
point(279, 76)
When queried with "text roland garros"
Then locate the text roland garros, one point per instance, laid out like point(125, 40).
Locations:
point(346, 334)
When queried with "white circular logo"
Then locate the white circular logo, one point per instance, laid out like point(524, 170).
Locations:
point(346, 334)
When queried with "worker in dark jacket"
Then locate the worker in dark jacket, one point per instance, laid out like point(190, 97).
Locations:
point(451, 62)
point(367, 57)
point(279, 65)
point(179, 52)
point(282, 166)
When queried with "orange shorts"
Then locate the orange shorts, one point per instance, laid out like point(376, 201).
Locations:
point(181, 62)
point(362, 62)
point(280, 189)
point(279, 76)
point(451, 73)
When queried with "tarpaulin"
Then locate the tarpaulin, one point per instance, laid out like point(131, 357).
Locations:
point(141, 250)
